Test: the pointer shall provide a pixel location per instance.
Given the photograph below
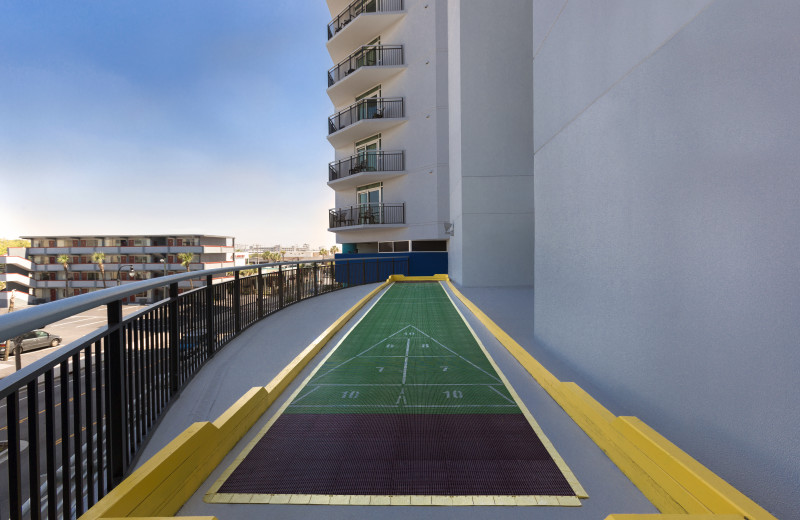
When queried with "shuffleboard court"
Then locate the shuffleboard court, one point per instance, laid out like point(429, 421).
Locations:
point(409, 403)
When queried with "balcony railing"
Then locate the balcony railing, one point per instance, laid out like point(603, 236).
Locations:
point(366, 56)
point(362, 6)
point(368, 108)
point(368, 214)
point(96, 401)
point(368, 161)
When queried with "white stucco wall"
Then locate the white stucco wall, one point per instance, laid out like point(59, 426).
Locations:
point(667, 261)
point(491, 159)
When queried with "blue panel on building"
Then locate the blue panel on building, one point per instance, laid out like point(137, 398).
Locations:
point(419, 264)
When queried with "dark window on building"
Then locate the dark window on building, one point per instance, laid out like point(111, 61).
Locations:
point(385, 247)
point(429, 245)
point(401, 246)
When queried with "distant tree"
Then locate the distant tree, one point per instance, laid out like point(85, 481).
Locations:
point(186, 260)
point(334, 250)
point(6, 243)
point(64, 261)
point(283, 255)
point(323, 252)
point(99, 258)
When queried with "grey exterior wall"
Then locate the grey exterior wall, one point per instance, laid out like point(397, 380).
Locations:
point(667, 259)
point(491, 130)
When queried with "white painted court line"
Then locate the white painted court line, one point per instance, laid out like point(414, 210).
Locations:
point(362, 353)
point(405, 367)
point(401, 396)
point(462, 357)
point(344, 405)
point(306, 395)
point(407, 384)
point(461, 405)
point(406, 356)
point(501, 394)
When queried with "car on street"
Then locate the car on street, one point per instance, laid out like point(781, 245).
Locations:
point(32, 340)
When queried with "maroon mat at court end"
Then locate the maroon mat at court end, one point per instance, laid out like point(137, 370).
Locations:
point(404, 454)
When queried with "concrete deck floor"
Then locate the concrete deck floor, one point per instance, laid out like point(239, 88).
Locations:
point(264, 349)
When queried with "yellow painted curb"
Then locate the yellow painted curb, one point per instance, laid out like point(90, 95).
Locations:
point(675, 517)
point(164, 518)
point(156, 473)
point(717, 494)
point(432, 278)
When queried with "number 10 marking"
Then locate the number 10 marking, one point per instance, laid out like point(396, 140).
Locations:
point(455, 394)
point(350, 394)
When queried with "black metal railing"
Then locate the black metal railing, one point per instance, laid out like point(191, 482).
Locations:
point(367, 108)
point(366, 56)
point(362, 6)
point(76, 420)
point(367, 214)
point(366, 161)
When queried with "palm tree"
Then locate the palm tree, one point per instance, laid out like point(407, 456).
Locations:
point(283, 255)
point(323, 252)
point(186, 260)
point(64, 260)
point(99, 258)
point(334, 249)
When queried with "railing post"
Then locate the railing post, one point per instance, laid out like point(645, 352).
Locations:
point(210, 315)
point(280, 286)
point(298, 278)
point(116, 399)
point(14, 462)
point(237, 304)
point(174, 347)
point(260, 289)
point(316, 289)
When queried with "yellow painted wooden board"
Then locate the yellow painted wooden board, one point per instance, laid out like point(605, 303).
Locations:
point(661, 489)
point(130, 492)
point(718, 495)
point(674, 517)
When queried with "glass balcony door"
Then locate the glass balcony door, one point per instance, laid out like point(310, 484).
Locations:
point(369, 204)
point(367, 155)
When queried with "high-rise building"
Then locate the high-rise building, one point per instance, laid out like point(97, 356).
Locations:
point(389, 128)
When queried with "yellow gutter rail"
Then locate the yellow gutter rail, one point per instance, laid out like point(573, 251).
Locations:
point(675, 483)
point(163, 484)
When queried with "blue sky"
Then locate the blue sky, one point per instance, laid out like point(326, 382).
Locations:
point(168, 116)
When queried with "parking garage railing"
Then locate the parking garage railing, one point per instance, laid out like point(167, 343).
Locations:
point(77, 419)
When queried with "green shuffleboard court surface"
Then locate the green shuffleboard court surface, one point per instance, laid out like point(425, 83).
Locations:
point(411, 354)
point(409, 404)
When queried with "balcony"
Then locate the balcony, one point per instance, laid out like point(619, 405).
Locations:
point(365, 167)
point(361, 22)
point(365, 118)
point(17, 278)
point(368, 66)
point(362, 216)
